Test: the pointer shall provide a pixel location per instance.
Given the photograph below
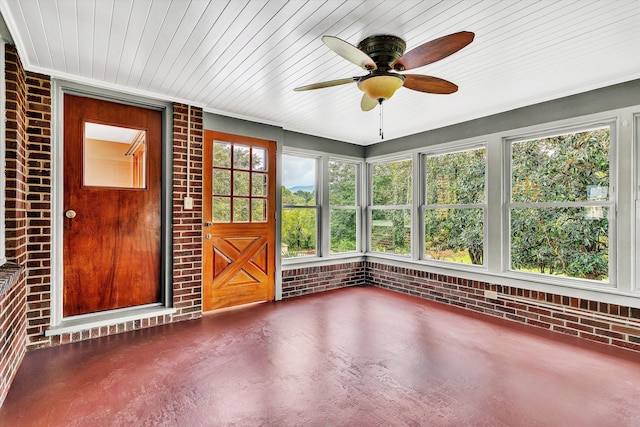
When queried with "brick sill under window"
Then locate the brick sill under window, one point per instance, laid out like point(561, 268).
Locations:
point(107, 318)
point(9, 275)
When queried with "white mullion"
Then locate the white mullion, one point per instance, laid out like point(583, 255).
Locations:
point(356, 207)
point(457, 206)
point(635, 138)
point(494, 214)
point(300, 206)
point(324, 220)
point(417, 199)
point(543, 205)
point(391, 207)
point(368, 201)
point(506, 205)
point(365, 213)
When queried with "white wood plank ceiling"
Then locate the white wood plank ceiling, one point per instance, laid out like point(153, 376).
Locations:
point(242, 58)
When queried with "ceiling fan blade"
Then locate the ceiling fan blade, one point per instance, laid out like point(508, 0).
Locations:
point(367, 103)
point(349, 52)
point(326, 84)
point(429, 84)
point(433, 51)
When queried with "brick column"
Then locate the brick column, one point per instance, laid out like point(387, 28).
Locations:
point(187, 223)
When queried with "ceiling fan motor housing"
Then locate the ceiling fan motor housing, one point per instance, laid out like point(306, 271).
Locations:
point(383, 49)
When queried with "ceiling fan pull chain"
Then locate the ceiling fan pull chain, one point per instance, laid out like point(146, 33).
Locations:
point(381, 131)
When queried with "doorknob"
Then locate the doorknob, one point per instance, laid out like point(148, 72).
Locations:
point(207, 236)
point(70, 214)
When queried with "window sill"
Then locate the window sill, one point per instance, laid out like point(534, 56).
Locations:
point(9, 275)
point(310, 262)
point(107, 318)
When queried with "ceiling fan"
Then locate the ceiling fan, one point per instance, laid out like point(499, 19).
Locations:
point(383, 57)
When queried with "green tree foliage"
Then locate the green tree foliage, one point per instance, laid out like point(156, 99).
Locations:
point(239, 177)
point(392, 186)
point(564, 241)
point(342, 193)
point(343, 230)
point(298, 224)
point(455, 234)
point(559, 240)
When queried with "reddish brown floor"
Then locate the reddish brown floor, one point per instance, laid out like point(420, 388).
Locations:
point(352, 357)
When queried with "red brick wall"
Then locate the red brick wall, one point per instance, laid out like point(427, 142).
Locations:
point(28, 216)
point(187, 224)
point(13, 301)
point(592, 320)
point(13, 325)
point(38, 204)
point(309, 280)
point(28, 191)
point(16, 162)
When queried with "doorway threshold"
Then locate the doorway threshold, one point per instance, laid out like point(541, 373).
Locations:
point(107, 318)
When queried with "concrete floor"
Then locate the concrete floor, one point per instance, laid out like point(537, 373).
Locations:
point(352, 357)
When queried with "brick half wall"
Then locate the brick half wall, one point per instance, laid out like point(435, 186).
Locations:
point(13, 324)
point(309, 280)
point(609, 324)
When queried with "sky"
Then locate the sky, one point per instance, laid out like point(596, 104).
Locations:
point(297, 171)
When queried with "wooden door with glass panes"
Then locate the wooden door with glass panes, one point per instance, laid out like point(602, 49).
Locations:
point(239, 220)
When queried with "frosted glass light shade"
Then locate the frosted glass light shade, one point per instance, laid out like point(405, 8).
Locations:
point(380, 87)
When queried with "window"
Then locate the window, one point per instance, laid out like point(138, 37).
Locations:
point(240, 183)
point(114, 156)
point(455, 206)
point(391, 204)
point(561, 204)
point(343, 206)
point(300, 210)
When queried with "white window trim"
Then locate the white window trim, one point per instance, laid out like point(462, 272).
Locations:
point(627, 152)
point(357, 206)
point(611, 203)
point(458, 148)
point(627, 292)
point(319, 194)
point(634, 127)
point(414, 197)
point(323, 220)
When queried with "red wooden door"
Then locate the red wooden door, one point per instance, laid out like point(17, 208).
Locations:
point(112, 203)
point(239, 215)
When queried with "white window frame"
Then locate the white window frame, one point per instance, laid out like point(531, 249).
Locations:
point(624, 248)
point(611, 204)
point(424, 206)
point(323, 220)
point(410, 207)
point(357, 206)
point(317, 207)
point(635, 274)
